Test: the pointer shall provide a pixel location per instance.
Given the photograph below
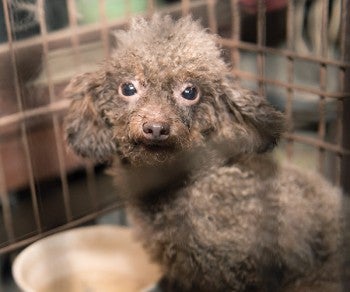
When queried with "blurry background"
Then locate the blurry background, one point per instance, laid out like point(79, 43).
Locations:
point(296, 53)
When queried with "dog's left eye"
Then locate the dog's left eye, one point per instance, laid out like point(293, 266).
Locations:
point(187, 94)
point(128, 89)
point(190, 93)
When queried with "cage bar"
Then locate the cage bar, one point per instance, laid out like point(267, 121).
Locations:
point(236, 32)
point(74, 223)
point(56, 127)
point(295, 87)
point(290, 77)
point(104, 26)
point(6, 206)
point(185, 7)
point(77, 36)
point(345, 49)
point(24, 138)
point(261, 37)
point(323, 83)
point(73, 25)
point(213, 25)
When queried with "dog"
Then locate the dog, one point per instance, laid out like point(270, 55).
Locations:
point(191, 154)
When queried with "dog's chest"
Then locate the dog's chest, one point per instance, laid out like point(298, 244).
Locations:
point(206, 221)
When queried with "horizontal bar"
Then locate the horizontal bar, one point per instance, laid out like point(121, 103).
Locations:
point(231, 43)
point(51, 108)
point(294, 86)
point(24, 242)
point(89, 31)
point(317, 143)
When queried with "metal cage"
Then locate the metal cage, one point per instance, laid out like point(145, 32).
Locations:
point(270, 46)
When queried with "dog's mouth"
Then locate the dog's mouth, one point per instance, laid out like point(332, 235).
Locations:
point(155, 147)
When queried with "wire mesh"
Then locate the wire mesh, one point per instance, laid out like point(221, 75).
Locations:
point(317, 113)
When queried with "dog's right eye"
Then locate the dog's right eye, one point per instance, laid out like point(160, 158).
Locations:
point(128, 89)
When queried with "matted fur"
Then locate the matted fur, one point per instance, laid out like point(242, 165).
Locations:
point(208, 201)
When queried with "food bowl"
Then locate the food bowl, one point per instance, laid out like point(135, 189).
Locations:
point(86, 259)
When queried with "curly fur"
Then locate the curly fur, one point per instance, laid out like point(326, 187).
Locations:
point(208, 201)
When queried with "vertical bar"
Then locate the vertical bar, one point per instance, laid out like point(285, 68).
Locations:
point(261, 31)
point(73, 22)
point(5, 203)
point(185, 7)
point(59, 146)
point(73, 25)
point(91, 183)
point(323, 84)
point(345, 135)
point(339, 128)
point(345, 41)
point(24, 137)
point(128, 8)
point(150, 7)
point(213, 25)
point(340, 101)
point(340, 14)
point(236, 32)
point(290, 76)
point(104, 28)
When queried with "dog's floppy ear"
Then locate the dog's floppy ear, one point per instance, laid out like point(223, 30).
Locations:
point(262, 124)
point(86, 131)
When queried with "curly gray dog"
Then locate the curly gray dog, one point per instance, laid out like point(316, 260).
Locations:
point(191, 156)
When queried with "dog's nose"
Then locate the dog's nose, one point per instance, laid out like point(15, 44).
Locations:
point(156, 131)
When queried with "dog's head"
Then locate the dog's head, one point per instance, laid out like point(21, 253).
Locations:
point(164, 90)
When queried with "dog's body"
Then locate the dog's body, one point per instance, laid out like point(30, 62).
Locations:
point(251, 226)
point(191, 150)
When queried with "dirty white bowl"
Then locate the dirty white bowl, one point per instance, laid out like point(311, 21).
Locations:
point(87, 259)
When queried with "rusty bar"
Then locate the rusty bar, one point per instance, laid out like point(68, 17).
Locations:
point(290, 78)
point(5, 203)
point(345, 49)
point(318, 143)
point(185, 7)
point(339, 129)
point(56, 127)
point(340, 101)
point(72, 11)
point(213, 24)
point(261, 36)
point(150, 7)
point(77, 222)
point(20, 117)
point(89, 167)
point(321, 132)
point(24, 137)
point(295, 87)
point(236, 32)
point(345, 162)
point(89, 32)
point(91, 183)
point(59, 39)
point(104, 27)
point(323, 84)
point(281, 52)
point(128, 8)
point(73, 24)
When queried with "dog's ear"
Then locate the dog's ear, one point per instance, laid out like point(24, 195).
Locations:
point(86, 132)
point(261, 124)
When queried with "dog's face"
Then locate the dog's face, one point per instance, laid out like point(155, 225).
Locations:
point(164, 90)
